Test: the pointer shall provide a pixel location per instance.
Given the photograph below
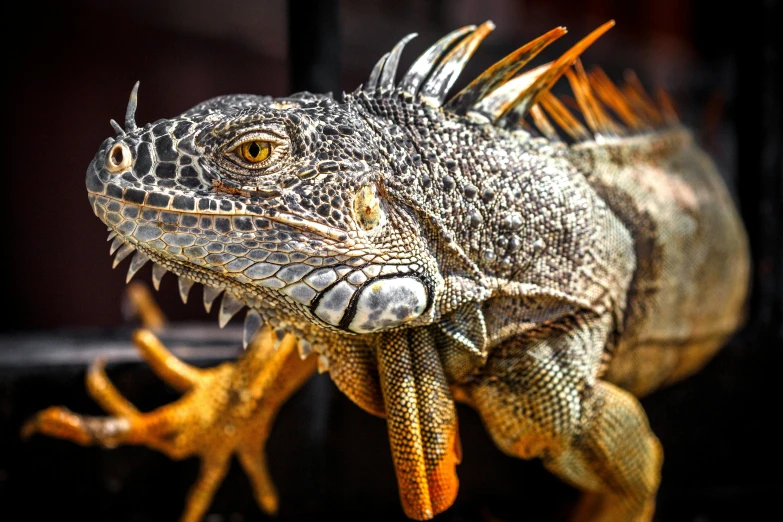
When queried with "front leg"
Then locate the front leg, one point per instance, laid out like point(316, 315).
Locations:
point(227, 410)
point(538, 397)
point(422, 421)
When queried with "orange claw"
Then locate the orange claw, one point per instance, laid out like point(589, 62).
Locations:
point(62, 423)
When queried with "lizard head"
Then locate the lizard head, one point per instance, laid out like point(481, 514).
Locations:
point(279, 203)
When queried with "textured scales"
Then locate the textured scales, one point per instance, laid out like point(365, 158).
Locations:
point(497, 248)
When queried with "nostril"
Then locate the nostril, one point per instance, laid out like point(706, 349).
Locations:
point(119, 158)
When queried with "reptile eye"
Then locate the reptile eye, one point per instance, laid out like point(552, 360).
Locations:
point(254, 151)
point(367, 207)
point(119, 158)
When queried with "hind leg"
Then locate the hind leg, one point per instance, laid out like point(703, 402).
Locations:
point(536, 399)
point(615, 458)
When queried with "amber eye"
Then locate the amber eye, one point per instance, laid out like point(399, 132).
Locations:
point(254, 151)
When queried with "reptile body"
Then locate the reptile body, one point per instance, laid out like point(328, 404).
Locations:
point(425, 251)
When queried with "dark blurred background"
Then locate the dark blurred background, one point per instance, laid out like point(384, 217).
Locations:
point(69, 68)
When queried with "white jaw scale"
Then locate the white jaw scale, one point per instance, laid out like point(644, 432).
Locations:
point(380, 305)
point(334, 303)
point(387, 303)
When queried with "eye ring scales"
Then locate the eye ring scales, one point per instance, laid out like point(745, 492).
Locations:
point(254, 152)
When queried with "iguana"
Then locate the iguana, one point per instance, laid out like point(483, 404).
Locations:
point(544, 264)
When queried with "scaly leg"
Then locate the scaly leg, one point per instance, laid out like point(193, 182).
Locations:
point(536, 399)
point(617, 458)
point(224, 410)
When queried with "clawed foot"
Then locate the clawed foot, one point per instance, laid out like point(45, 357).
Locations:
point(225, 410)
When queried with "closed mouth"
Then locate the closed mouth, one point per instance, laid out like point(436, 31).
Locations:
point(243, 211)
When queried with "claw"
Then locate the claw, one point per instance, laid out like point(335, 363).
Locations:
point(62, 423)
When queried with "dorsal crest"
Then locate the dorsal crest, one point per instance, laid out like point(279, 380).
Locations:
point(509, 97)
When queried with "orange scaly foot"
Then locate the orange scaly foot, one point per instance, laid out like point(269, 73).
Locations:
point(225, 410)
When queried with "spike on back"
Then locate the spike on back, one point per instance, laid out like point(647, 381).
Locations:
point(597, 119)
point(640, 99)
point(667, 107)
point(389, 71)
point(543, 124)
point(446, 73)
point(372, 82)
point(615, 100)
point(501, 72)
point(544, 82)
point(563, 117)
point(423, 65)
point(501, 99)
point(508, 98)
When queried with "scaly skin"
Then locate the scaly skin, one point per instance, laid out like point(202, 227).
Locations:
point(432, 251)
